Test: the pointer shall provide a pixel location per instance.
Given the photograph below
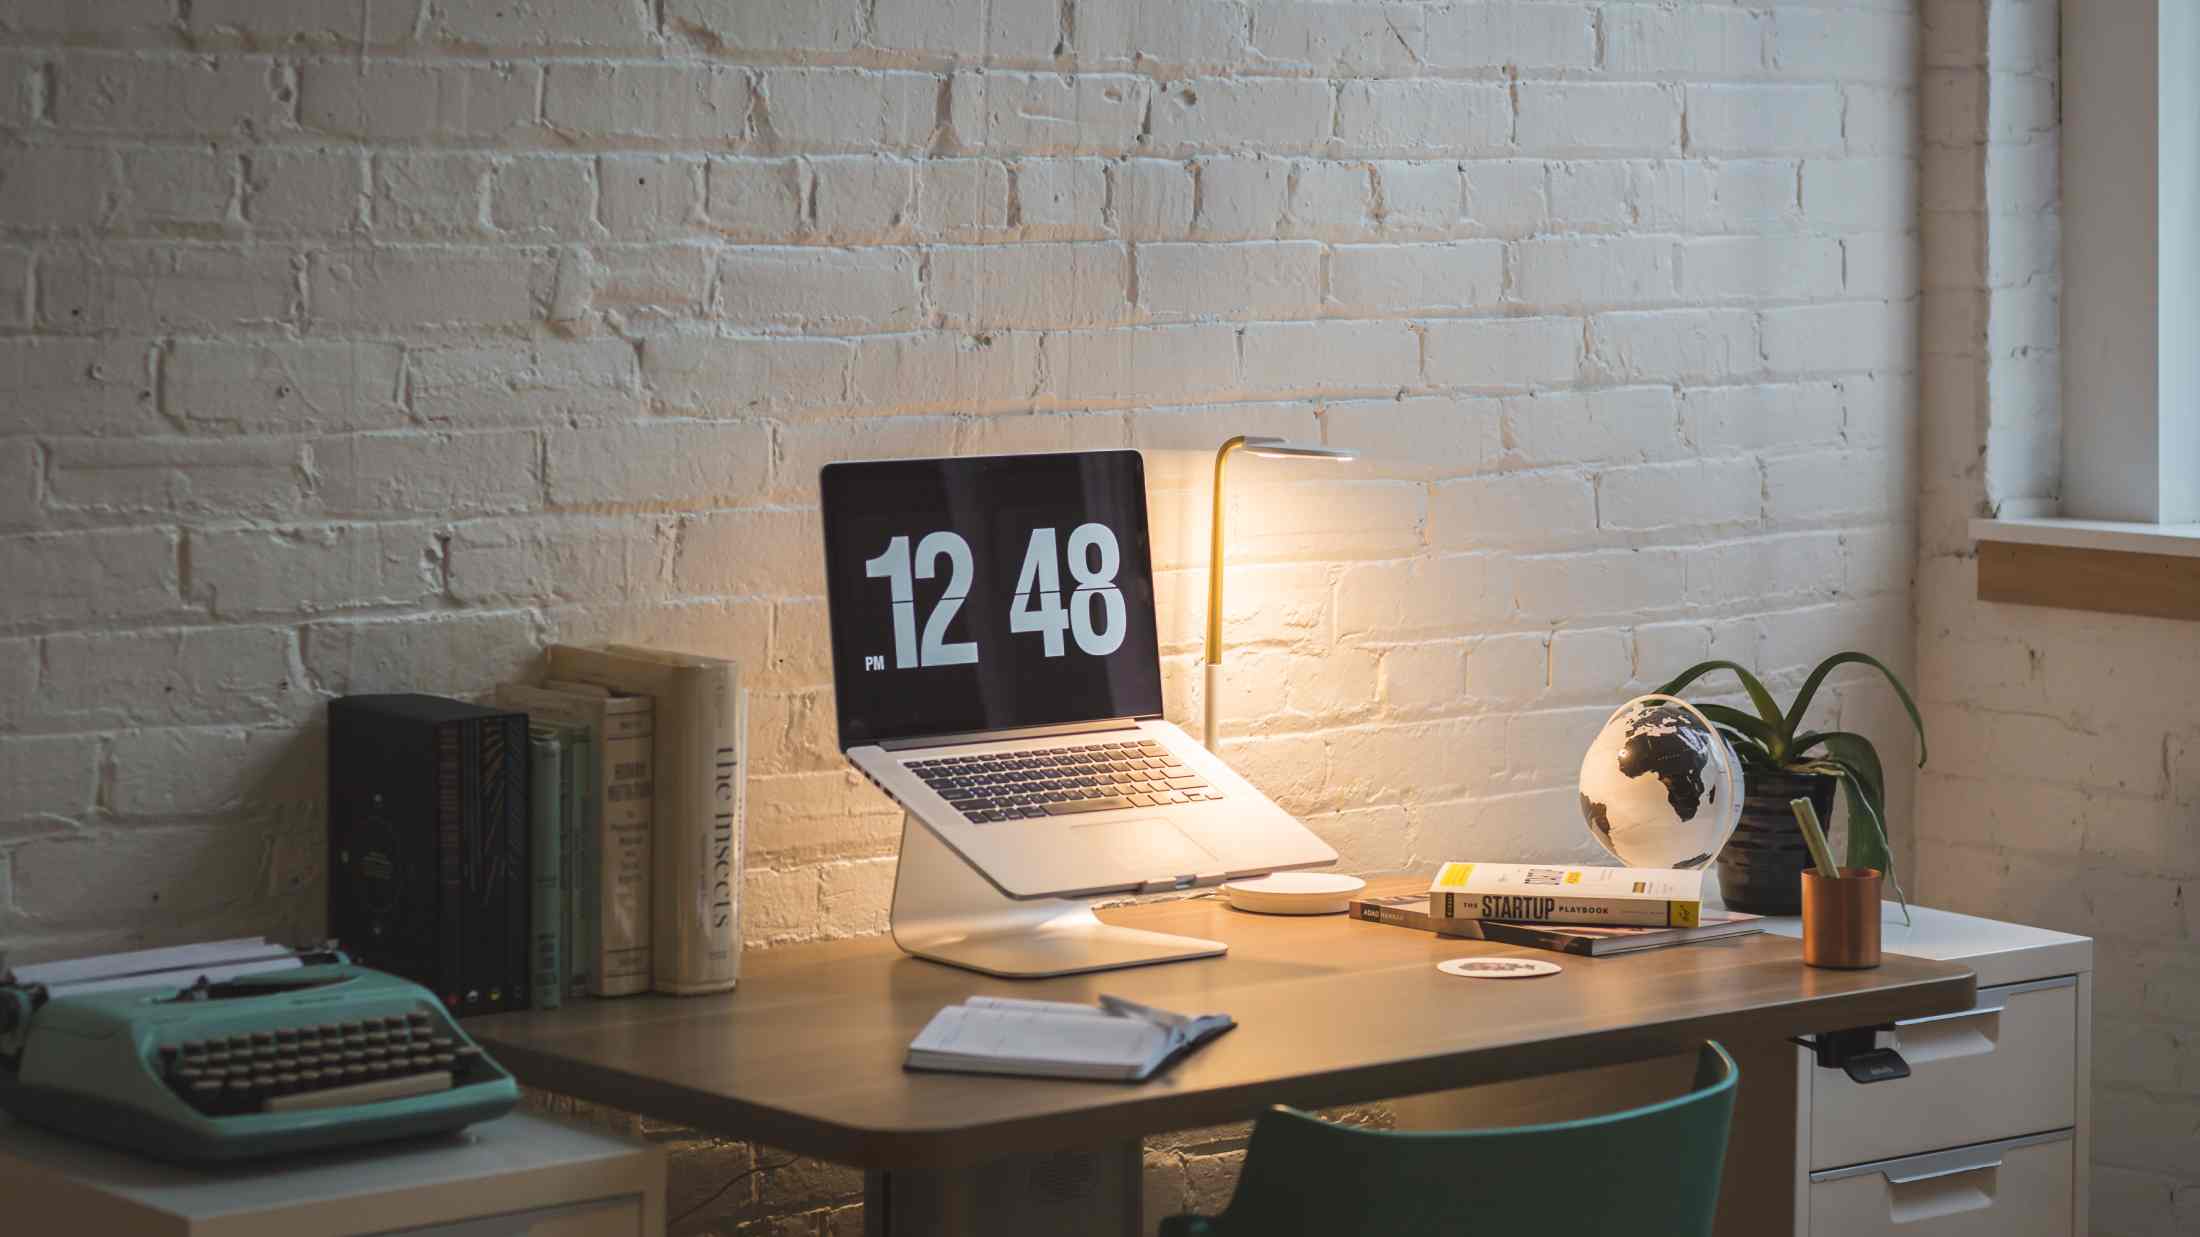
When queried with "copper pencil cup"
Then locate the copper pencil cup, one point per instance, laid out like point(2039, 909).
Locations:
point(1841, 919)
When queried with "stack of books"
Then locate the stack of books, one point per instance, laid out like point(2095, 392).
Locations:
point(645, 811)
point(1588, 911)
point(582, 837)
point(429, 874)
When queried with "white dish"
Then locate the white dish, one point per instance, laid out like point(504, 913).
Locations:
point(1498, 968)
point(1294, 893)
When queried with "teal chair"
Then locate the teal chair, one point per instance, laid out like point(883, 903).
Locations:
point(1649, 1170)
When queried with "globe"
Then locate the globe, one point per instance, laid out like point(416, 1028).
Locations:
point(1660, 788)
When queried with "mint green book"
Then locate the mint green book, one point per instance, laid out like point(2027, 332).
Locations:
point(580, 879)
point(548, 796)
point(607, 947)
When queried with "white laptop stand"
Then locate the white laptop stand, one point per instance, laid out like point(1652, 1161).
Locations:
point(947, 911)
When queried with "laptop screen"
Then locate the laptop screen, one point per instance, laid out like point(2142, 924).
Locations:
point(989, 593)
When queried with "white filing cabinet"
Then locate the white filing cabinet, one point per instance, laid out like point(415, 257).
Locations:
point(518, 1176)
point(1990, 1132)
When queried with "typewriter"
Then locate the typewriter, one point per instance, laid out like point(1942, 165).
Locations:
point(237, 1050)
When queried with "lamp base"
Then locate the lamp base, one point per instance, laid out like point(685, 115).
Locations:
point(946, 911)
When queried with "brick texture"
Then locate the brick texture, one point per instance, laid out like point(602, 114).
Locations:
point(363, 345)
point(2066, 762)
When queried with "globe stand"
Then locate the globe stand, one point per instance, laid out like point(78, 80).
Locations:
point(947, 911)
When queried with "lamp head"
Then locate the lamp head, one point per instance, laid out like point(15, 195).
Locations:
point(1279, 449)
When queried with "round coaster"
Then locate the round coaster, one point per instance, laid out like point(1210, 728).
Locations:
point(1294, 893)
point(1499, 968)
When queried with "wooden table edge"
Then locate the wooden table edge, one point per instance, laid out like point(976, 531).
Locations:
point(960, 1146)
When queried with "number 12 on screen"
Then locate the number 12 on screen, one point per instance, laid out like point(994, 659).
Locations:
point(1093, 616)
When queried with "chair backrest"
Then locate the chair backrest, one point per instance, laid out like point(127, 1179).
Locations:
point(1653, 1169)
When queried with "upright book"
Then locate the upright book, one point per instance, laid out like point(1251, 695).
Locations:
point(1550, 893)
point(552, 863)
point(610, 923)
point(428, 831)
point(701, 799)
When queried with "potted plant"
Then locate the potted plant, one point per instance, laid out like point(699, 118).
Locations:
point(1761, 865)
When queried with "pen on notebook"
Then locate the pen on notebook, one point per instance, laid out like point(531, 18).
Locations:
point(1131, 1009)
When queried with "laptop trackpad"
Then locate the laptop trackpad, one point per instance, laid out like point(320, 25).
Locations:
point(1155, 844)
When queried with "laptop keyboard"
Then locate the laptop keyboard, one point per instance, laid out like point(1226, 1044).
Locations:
point(1062, 781)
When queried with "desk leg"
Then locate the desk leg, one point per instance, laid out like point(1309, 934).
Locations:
point(1759, 1192)
point(1090, 1192)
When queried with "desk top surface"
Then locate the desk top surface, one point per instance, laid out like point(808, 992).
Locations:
point(807, 1053)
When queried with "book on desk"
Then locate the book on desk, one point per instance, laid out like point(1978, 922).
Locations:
point(1115, 1041)
point(1405, 902)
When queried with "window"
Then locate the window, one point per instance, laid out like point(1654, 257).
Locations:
point(2131, 261)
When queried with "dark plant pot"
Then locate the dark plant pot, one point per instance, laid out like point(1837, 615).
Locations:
point(1761, 867)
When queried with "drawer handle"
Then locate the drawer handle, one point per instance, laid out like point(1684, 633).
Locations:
point(1950, 1164)
point(1987, 1005)
point(1994, 1000)
point(1931, 1164)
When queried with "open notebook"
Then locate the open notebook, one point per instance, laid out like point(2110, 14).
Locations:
point(1117, 1041)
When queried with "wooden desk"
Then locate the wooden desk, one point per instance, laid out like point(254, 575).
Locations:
point(807, 1053)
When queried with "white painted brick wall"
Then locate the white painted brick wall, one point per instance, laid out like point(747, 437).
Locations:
point(2062, 789)
point(371, 344)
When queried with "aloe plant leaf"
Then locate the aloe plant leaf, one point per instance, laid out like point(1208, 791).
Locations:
point(1747, 750)
point(1767, 707)
point(1848, 748)
point(1817, 677)
point(1734, 719)
point(1855, 761)
point(1874, 811)
point(1868, 843)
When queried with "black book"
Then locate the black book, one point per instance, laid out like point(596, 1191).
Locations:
point(428, 840)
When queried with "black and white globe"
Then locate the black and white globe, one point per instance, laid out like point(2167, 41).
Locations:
point(1660, 788)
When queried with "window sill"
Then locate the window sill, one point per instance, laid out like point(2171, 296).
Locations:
point(2113, 568)
point(2181, 540)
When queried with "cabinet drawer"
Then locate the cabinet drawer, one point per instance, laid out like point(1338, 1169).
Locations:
point(2005, 1067)
point(611, 1217)
point(2018, 1188)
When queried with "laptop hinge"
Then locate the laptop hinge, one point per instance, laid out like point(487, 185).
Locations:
point(1020, 732)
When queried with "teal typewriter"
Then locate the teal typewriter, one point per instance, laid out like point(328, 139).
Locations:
point(237, 1050)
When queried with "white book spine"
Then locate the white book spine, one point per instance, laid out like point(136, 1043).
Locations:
point(622, 856)
point(699, 927)
point(701, 759)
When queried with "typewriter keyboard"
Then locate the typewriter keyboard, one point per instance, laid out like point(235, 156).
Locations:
point(318, 1065)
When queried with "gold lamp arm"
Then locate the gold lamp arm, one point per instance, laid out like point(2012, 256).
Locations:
point(1214, 592)
point(1214, 556)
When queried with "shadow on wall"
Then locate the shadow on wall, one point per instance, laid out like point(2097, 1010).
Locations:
point(221, 842)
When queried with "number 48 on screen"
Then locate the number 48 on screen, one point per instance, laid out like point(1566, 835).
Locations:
point(1093, 617)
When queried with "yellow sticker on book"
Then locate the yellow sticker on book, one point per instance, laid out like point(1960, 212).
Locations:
point(1573, 878)
point(1684, 914)
point(1454, 875)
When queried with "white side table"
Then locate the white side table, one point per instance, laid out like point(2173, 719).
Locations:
point(519, 1176)
point(1991, 1135)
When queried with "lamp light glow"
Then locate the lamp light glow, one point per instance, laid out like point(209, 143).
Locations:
point(1266, 448)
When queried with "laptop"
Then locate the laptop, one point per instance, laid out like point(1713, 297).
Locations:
point(996, 671)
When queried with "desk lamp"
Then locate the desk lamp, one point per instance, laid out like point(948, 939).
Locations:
point(1269, 448)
